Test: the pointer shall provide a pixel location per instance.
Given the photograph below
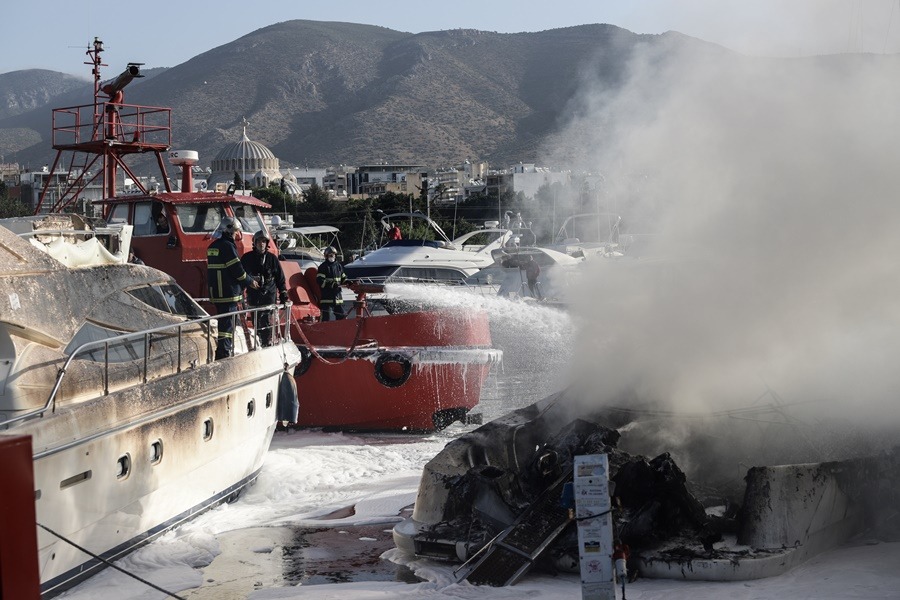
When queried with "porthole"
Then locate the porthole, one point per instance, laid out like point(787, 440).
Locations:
point(123, 466)
point(156, 452)
point(269, 400)
point(207, 429)
point(251, 408)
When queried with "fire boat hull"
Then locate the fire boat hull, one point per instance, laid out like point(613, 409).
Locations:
point(382, 382)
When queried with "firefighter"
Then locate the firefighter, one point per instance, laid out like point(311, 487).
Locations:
point(227, 280)
point(331, 277)
point(264, 267)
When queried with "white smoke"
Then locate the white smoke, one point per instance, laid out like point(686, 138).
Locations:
point(773, 277)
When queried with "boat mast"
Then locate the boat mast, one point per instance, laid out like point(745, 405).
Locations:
point(104, 132)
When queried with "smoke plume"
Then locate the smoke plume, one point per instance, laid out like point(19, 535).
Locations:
point(770, 278)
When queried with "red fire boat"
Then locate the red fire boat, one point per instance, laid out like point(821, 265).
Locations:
point(410, 371)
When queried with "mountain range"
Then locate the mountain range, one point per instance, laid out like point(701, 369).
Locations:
point(329, 93)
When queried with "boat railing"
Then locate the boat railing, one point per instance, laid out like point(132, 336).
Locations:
point(382, 280)
point(145, 126)
point(146, 335)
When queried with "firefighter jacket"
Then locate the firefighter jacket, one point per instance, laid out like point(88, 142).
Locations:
point(224, 273)
point(532, 270)
point(330, 278)
point(266, 270)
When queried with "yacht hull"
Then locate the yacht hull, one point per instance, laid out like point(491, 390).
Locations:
point(114, 472)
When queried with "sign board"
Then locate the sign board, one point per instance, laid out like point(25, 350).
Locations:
point(595, 536)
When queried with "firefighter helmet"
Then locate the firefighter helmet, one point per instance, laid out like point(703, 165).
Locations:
point(229, 225)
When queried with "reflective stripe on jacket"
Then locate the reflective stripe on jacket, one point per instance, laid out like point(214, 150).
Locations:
point(225, 275)
point(330, 277)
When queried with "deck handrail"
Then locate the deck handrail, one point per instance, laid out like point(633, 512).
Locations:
point(145, 334)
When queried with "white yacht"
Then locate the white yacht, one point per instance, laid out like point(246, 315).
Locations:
point(506, 277)
point(306, 245)
point(433, 258)
point(108, 367)
point(589, 234)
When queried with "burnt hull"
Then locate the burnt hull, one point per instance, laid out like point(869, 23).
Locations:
point(482, 484)
point(146, 459)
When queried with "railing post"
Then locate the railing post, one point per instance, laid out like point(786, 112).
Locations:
point(106, 368)
point(208, 341)
point(178, 369)
point(146, 354)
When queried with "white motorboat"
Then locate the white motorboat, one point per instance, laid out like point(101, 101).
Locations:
point(109, 367)
point(506, 277)
point(306, 245)
point(589, 234)
point(437, 260)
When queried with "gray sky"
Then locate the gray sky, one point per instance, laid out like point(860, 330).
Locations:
point(53, 34)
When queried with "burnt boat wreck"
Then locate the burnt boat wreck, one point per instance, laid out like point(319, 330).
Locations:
point(491, 500)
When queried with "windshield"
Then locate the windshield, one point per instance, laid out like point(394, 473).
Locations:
point(168, 298)
point(200, 218)
point(249, 218)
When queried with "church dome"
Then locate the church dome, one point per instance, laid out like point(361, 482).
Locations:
point(247, 158)
point(246, 149)
point(293, 189)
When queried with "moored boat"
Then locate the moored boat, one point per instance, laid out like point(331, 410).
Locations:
point(388, 383)
point(432, 259)
point(173, 228)
point(108, 367)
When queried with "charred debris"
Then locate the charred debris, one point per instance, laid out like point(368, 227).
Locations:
point(485, 481)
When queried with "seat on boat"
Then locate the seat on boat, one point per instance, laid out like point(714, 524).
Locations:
point(298, 288)
point(310, 275)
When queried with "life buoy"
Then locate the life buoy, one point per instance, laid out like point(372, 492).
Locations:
point(305, 360)
point(392, 369)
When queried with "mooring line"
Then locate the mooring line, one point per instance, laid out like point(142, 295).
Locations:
point(109, 564)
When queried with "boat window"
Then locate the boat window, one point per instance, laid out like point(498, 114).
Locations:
point(208, 429)
point(415, 242)
point(199, 218)
point(481, 239)
point(156, 452)
point(249, 218)
point(168, 298)
point(354, 272)
point(120, 351)
point(150, 219)
point(429, 274)
point(123, 467)
point(143, 221)
point(489, 275)
point(119, 214)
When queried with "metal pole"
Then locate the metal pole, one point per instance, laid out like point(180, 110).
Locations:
point(106, 369)
point(146, 354)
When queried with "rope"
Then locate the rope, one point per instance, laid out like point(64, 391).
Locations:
point(109, 564)
point(314, 352)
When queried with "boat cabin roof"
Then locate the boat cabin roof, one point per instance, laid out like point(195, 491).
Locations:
point(177, 198)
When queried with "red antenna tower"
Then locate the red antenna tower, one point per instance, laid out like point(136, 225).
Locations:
point(93, 140)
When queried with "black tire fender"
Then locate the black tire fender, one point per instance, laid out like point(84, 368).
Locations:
point(389, 380)
point(305, 361)
point(288, 406)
